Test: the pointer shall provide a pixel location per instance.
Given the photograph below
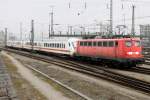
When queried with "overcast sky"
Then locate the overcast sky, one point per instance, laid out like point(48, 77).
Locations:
point(12, 12)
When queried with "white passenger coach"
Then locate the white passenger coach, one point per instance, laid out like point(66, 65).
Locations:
point(61, 45)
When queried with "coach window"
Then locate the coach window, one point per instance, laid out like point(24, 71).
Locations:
point(64, 45)
point(57, 45)
point(45, 44)
point(99, 44)
point(111, 44)
point(94, 44)
point(105, 44)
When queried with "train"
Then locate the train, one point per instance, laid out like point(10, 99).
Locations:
point(122, 52)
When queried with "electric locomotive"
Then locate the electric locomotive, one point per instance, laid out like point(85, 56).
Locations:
point(122, 51)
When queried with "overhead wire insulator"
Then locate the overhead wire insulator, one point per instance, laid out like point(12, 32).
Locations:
point(85, 6)
point(122, 7)
point(69, 5)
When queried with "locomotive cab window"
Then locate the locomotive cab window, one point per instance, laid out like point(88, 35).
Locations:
point(137, 43)
point(128, 43)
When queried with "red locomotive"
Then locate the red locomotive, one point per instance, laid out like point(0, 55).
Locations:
point(126, 51)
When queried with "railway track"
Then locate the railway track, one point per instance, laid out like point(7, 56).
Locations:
point(140, 70)
point(59, 83)
point(95, 71)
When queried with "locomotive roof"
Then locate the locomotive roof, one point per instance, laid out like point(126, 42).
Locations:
point(114, 39)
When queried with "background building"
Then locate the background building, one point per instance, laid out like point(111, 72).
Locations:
point(145, 34)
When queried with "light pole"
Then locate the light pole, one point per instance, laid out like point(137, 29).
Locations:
point(111, 17)
point(51, 20)
point(133, 21)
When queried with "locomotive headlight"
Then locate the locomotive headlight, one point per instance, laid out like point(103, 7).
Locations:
point(129, 53)
point(137, 53)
